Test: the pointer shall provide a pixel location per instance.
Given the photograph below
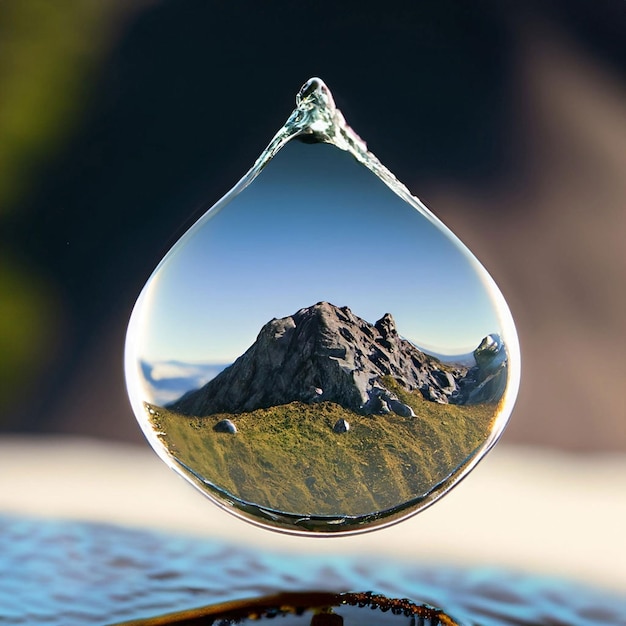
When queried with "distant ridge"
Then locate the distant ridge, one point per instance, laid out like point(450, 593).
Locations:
point(466, 359)
point(169, 380)
point(326, 353)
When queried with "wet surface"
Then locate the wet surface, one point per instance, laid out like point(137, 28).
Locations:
point(71, 574)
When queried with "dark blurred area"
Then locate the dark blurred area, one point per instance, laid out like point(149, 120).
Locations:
point(121, 122)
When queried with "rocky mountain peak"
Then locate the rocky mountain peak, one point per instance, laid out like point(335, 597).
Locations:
point(386, 326)
point(325, 353)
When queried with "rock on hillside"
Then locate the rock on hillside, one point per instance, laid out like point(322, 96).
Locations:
point(486, 381)
point(326, 353)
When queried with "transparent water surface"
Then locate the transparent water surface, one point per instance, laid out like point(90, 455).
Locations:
point(318, 353)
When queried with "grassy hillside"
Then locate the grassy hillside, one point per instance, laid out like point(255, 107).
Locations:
point(288, 457)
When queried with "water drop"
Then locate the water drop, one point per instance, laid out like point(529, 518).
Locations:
point(319, 353)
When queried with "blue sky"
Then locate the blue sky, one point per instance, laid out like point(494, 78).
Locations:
point(314, 225)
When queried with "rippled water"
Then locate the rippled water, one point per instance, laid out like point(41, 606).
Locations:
point(75, 574)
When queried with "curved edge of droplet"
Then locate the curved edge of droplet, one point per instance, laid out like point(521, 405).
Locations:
point(133, 377)
point(317, 114)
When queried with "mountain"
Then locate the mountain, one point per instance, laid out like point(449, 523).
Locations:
point(326, 353)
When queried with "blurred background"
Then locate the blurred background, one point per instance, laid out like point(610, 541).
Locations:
point(121, 122)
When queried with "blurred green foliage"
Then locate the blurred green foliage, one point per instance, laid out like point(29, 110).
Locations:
point(48, 51)
point(29, 327)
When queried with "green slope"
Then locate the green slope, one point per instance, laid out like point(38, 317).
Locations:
point(288, 457)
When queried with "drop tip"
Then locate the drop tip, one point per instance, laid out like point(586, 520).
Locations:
point(315, 89)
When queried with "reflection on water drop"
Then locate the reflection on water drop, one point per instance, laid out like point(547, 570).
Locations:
point(318, 353)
